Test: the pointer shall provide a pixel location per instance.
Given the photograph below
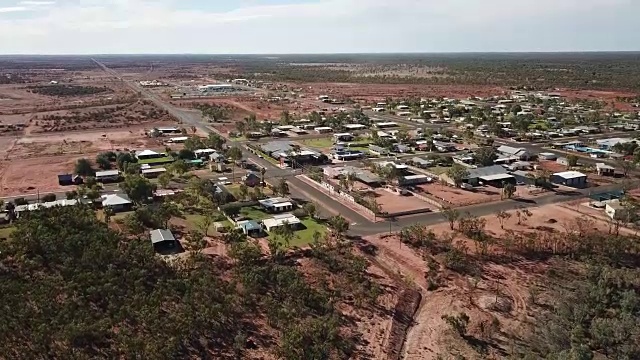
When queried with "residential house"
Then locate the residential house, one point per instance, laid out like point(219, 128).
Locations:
point(605, 170)
point(69, 179)
point(518, 153)
point(251, 179)
point(117, 202)
point(217, 158)
point(250, 227)
point(573, 179)
point(276, 205)
point(343, 137)
point(494, 175)
point(46, 205)
point(378, 150)
point(153, 172)
point(323, 130)
point(108, 176)
point(615, 210)
point(163, 241)
point(282, 220)
point(148, 154)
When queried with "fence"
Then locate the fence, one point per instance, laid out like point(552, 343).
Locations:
point(339, 195)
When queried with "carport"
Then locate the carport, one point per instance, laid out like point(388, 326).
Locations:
point(497, 180)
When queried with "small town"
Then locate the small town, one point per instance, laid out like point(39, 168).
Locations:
point(319, 180)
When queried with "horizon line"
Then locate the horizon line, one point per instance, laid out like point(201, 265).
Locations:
point(337, 53)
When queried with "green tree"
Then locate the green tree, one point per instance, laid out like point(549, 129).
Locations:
point(626, 166)
point(263, 171)
point(124, 158)
point(572, 160)
point(338, 225)
point(139, 189)
point(164, 180)
point(180, 167)
point(458, 323)
point(485, 156)
point(243, 191)
point(508, 190)
point(84, 168)
point(103, 161)
point(310, 209)
point(452, 215)
point(457, 173)
point(282, 187)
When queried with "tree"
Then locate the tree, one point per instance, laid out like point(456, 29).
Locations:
point(338, 225)
point(572, 160)
point(485, 156)
point(502, 217)
point(626, 166)
point(138, 188)
point(180, 167)
point(285, 118)
point(108, 213)
point(186, 154)
point(204, 224)
point(283, 187)
point(124, 158)
point(457, 173)
point(452, 215)
point(235, 155)
point(49, 198)
point(508, 190)
point(164, 180)
point(103, 161)
point(310, 209)
point(458, 323)
point(263, 171)
point(215, 141)
point(243, 191)
point(84, 168)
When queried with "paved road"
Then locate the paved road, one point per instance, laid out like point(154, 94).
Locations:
point(329, 206)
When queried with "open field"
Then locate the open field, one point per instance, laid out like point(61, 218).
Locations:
point(394, 203)
point(451, 196)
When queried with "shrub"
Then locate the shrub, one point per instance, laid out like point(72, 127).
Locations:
point(49, 198)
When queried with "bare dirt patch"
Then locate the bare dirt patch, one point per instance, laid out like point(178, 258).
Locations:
point(450, 196)
point(395, 203)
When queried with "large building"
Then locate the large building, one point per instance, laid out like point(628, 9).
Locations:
point(572, 179)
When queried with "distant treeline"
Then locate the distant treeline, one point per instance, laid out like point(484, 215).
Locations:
point(68, 90)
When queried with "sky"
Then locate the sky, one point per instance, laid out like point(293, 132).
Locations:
point(316, 26)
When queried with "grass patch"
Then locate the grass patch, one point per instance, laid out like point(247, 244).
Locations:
point(322, 143)
point(162, 160)
point(254, 213)
point(5, 232)
point(305, 237)
point(438, 170)
point(194, 221)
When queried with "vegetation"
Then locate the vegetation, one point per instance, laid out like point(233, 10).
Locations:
point(67, 90)
point(84, 168)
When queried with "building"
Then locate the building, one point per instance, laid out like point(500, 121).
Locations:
point(69, 179)
point(386, 125)
point(354, 127)
point(605, 170)
point(46, 205)
point(251, 179)
point(108, 176)
point(250, 227)
point(378, 150)
point(153, 172)
point(216, 88)
point(148, 154)
point(343, 137)
point(292, 154)
point(169, 130)
point(323, 130)
point(163, 240)
point(117, 202)
point(608, 144)
point(573, 179)
point(495, 175)
point(421, 163)
point(615, 210)
point(179, 139)
point(347, 155)
point(547, 156)
point(204, 153)
point(217, 157)
point(281, 220)
point(518, 153)
point(276, 205)
point(414, 180)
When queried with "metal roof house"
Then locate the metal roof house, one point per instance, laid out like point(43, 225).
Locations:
point(490, 175)
point(108, 176)
point(117, 202)
point(519, 153)
point(572, 179)
point(163, 240)
point(249, 227)
point(276, 205)
point(281, 220)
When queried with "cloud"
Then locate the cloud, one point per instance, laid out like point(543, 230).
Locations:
point(179, 26)
point(10, 9)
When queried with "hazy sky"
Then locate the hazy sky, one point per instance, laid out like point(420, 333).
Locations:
point(315, 26)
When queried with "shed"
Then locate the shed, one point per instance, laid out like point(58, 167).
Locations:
point(162, 240)
point(108, 176)
point(547, 156)
point(249, 227)
point(65, 179)
point(605, 170)
point(573, 179)
point(153, 172)
point(615, 210)
point(117, 202)
point(281, 220)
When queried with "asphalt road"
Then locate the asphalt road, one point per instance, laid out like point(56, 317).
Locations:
point(329, 206)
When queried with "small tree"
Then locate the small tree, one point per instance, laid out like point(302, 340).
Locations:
point(457, 173)
point(452, 215)
point(49, 198)
point(84, 168)
point(164, 180)
point(243, 191)
point(458, 323)
point(310, 209)
point(572, 160)
point(508, 190)
point(263, 171)
point(103, 161)
point(204, 224)
point(627, 166)
point(338, 225)
point(108, 213)
point(283, 187)
point(502, 217)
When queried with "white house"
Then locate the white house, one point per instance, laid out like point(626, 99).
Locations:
point(281, 220)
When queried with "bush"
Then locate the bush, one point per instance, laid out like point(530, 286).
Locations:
point(21, 201)
point(49, 198)
point(300, 213)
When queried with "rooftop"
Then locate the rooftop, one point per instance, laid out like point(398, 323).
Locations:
point(570, 174)
point(486, 171)
point(161, 235)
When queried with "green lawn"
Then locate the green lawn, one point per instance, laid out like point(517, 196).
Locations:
point(254, 213)
point(6, 231)
point(305, 237)
point(194, 221)
point(162, 160)
point(321, 143)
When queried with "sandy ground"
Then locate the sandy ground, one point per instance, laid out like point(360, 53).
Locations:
point(450, 196)
point(31, 163)
point(393, 202)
